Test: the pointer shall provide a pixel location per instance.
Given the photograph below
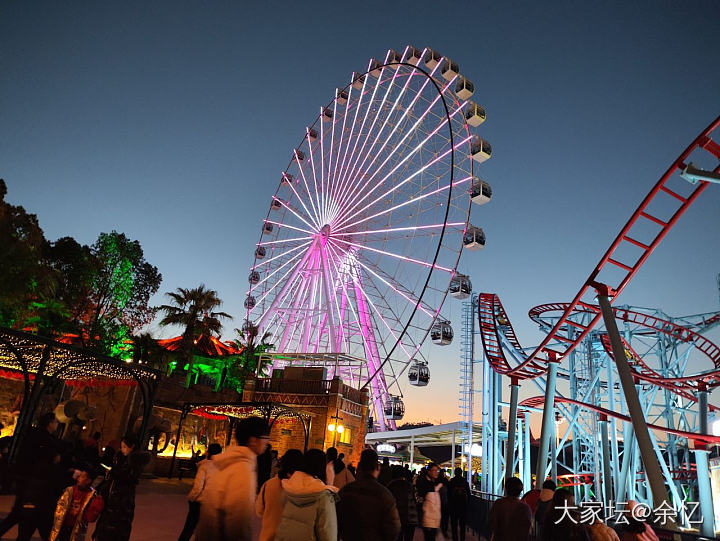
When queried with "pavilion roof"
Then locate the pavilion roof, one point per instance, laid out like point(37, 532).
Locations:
point(22, 351)
point(205, 345)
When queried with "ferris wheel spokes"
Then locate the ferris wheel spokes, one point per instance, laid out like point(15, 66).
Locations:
point(395, 148)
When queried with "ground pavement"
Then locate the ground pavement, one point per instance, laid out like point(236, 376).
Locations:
point(160, 508)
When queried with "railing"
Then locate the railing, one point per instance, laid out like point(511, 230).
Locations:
point(353, 395)
point(292, 386)
point(479, 509)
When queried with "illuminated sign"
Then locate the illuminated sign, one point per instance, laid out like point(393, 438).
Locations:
point(385, 448)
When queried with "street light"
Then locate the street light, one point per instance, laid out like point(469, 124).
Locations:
point(335, 427)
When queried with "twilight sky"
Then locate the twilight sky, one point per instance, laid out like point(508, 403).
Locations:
point(170, 122)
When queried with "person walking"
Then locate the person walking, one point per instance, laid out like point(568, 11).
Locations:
point(637, 530)
point(228, 501)
point(309, 513)
point(385, 476)
point(77, 507)
point(118, 492)
point(509, 518)
point(271, 498)
point(331, 455)
point(444, 509)
point(562, 521)
point(458, 500)
point(343, 476)
point(404, 493)
point(428, 490)
point(599, 531)
point(205, 469)
point(543, 504)
point(37, 492)
point(367, 510)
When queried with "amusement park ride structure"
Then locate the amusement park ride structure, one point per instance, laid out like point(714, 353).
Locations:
point(631, 386)
point(359, 250)
point(360, 246)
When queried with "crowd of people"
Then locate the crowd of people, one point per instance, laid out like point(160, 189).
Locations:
point(316, 496)
point(550, 514)
point(54, 486)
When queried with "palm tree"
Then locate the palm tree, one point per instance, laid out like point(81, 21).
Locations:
point(252, 348)
point(193, 309)
point(146, 350)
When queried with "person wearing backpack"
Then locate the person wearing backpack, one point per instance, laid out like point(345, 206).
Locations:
point(458, 499)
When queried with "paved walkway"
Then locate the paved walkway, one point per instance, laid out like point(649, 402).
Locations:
point(160, 509)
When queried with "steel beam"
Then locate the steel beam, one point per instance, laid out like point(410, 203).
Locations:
point(642, 433)
point(548, 424)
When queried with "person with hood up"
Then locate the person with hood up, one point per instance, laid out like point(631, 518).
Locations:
point(271, 498)
point(228, 502)
point(309, 513)
point(205, 469)
point(367, 510)
point(428, 490)
point(404, 493)
point(343, 476)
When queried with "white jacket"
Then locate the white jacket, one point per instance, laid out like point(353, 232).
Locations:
point(432, 508)
point(228, 501)
point(205, 469)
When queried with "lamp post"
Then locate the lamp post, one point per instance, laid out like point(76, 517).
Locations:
point(335, 427)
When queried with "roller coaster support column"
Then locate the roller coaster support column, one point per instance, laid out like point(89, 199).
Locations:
point(703, 407)
point(548, 422)
point(703, 470)
point(642, 434)
point(512, 424)
point(707, 527)
point(607, 473)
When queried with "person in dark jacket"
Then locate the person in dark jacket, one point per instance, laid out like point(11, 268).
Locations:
point(404, 493)
point(510, 519)
point(543, 504)
point(36, 494)
point(367, 510)
point(118, 492)
point(458, 499)
point(385, 475)
point(562, 521)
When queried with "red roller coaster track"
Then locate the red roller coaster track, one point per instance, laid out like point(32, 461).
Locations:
point(492, 315)
point(538, 401)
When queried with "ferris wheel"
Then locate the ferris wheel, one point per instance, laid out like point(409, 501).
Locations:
point(361, 242)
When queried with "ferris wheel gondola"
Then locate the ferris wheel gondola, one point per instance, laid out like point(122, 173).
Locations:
point(419, 373)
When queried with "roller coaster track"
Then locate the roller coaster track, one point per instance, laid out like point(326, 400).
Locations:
point(640, 369)
point(538, 401)
point(492, 316)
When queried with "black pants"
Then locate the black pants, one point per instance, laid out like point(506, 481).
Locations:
point(32, 518)
point(458, 522)
point(430, 533)
point(407, 533)
point(11, 519)
point(191, 521)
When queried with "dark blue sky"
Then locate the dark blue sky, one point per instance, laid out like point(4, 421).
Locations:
point(170, 121)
